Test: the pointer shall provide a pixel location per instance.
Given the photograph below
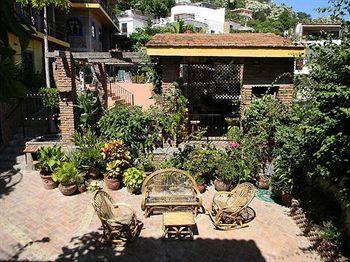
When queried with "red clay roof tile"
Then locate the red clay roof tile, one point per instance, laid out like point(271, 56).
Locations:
point(220, 40)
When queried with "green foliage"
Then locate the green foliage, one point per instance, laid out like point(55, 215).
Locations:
point(90, 109)
point(331, 233)
point(67, 173)
point(201, 161)
point(133, 179)
point(49, 97)
point(49, 159)
point(10, 85)
point(227, 171)
point(178, 159)
point(89, 149)
point(318, 140)
point(139, 131)
point(39, 4)
point(94, 186)
point(142, 35)
point(261, 122)
point(160, 8)
point(171, 113)
point(145, 163)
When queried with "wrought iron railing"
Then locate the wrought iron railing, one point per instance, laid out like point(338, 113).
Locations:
point(118, 93)
point(32, 17)
point(215, 125)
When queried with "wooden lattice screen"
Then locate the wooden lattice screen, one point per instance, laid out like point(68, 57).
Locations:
point(218, 81)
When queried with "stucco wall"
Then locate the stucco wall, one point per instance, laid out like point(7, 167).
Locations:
point(85, 42)
point(35, 47)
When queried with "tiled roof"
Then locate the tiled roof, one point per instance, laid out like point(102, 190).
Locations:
point(220, 40)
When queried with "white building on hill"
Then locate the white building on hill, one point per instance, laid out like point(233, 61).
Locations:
point(202, 16)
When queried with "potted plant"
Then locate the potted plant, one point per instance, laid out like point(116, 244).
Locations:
point(227, 173)
point(281, 186)
point(89, 153)
point(201, 185)
point(117, 159)
point(49, 159)
point(133, 179)
point(81, 183)
point(67, 175)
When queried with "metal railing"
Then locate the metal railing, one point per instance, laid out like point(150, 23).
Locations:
point(216, 125)
point(33, 18)
point(120, 94)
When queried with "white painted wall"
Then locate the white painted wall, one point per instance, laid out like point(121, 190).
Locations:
point(214, 18)
point(132, 20)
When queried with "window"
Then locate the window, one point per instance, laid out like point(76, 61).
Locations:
point(184, 17)
point(74, 27)
point(93, 30)
point(259, 91)
point(124, 27)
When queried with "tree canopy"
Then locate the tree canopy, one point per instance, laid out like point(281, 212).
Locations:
point(160, 8)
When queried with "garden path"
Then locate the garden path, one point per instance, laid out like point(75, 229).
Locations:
point(38, 224)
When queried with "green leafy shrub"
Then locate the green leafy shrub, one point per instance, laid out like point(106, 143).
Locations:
point(137, 129)
point(133, 179)
point(49, 97)
point(67, 173)
point(94, 186)
point(145, 163)
point(329, 232)
point(90, 109)
point(50, 158)
point(89, 149)
point(178, 159)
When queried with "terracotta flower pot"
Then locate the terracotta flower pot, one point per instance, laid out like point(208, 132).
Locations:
point(112, 183)
point(48, 182)
point(67, 189)
point(201, 188)
point(93, 172)
point(221, 185)
point(286, 198)
point(263, 182)
point(82, 188)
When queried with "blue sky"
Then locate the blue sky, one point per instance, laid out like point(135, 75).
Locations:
point(306, 6)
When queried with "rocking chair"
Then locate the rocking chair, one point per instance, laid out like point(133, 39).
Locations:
point(230, 210)
point(119, 221)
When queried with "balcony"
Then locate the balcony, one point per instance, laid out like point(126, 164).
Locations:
point(104, 4)
point(32, 17)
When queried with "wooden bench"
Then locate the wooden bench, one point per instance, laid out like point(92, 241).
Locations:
point(170, 190)
point(29, 151)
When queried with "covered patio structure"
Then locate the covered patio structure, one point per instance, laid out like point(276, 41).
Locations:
point(220, 74)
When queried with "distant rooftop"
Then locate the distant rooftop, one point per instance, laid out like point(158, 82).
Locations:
point(220, 40)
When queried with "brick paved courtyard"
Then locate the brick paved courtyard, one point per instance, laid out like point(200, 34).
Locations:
point(38, 224)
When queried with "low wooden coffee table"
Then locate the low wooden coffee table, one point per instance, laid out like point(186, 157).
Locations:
point(177, 225)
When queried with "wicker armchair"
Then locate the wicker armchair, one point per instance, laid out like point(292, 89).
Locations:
point(230, 210)
point(118, 220)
